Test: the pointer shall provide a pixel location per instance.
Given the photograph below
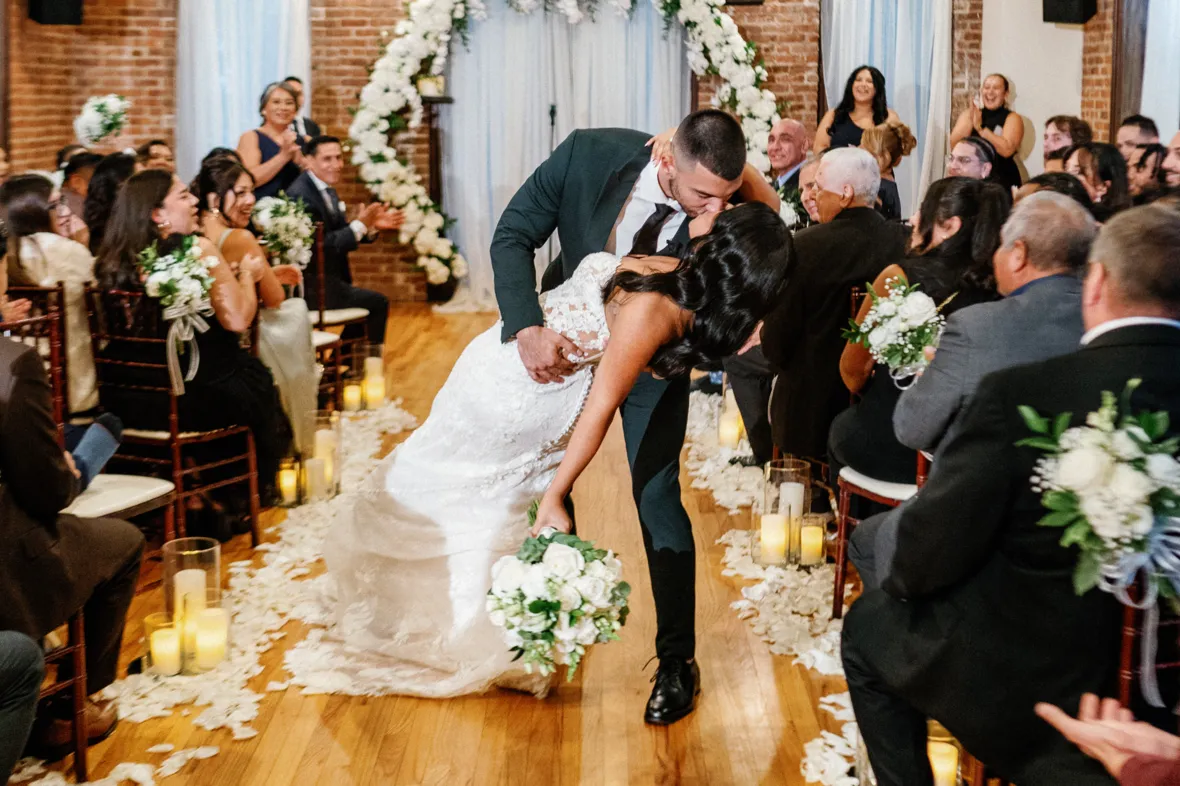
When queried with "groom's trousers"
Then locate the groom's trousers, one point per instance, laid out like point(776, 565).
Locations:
point(655, 416)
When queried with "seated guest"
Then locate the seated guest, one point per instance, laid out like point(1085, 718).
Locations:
point(66, 153)
point(802, 339)
point(1063, 132)
point(155, 154)
point(787, 148)
point(863, 106)
point(888, 143)
point(37, 257)
point(223, 152)
point(305, 127)
point(1055, 161)
point(1103, 172)
point(990, 119)
point(977, 618)
point(1171, 164)
point(807, 189)
point(956, 231)
point(972, 157)
point(1134, 132)
point(70, 204)
point(1058, 182)
point(272, 152)
point(22, 668)
point(54, 564)
point(231, 387)
point(325, 160)
point(1145, 171)
point(109, 176)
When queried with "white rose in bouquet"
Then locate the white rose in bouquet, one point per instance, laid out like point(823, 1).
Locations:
point(535, 583)
point(917, 309)
point(563, 562)
point(1164, 470)
point(593, 588)
point(1130, 486)
point(507, 575)
point(1084, 468)
point(1124, 445)
point(568, 597)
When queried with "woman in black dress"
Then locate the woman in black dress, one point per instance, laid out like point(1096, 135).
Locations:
point(273, 151)
point(231, 387)
point(990, 119)
point(956, 232)
point(863, 106)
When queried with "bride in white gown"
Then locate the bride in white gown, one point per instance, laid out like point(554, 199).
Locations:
point(412, 564)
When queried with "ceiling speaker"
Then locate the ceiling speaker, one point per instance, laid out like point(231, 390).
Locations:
point(1070, 12)
point(56, 12)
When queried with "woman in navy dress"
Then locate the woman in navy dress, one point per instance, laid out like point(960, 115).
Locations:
point(272, 152)
point(864, 105)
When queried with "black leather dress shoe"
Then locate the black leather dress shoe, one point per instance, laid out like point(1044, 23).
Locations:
point(678, 683)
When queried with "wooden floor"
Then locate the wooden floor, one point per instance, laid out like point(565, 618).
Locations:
point(756, 711)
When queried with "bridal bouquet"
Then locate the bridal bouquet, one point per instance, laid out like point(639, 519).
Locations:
point(1113, 485)
point(898, 328)
point(287, 228)
point(181, 282)
point(101, 116)
point(556, 597)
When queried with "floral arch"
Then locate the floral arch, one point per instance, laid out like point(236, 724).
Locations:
point(420, 46)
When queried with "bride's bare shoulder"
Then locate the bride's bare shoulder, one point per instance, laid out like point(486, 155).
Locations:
point(649, 264)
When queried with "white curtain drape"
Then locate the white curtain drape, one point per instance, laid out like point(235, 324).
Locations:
point(1161, 67)
point(909, 41)
point(610, 72)
point(227, 52)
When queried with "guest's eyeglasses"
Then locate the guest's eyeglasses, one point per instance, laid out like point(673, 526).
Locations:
point(962, 160)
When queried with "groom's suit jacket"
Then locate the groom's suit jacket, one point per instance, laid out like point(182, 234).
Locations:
point(578, 191)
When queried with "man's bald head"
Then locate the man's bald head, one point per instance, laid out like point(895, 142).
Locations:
point(787, 146)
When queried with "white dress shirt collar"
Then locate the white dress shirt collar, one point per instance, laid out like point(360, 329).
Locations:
point(1115, 324)
point(648, 188)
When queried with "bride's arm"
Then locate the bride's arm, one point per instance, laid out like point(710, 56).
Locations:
point(644, 323)
point(755, 188)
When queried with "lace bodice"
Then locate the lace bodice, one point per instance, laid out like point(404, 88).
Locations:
point(575, 309)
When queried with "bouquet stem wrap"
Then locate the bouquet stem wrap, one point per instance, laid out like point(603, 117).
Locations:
point(183, 331)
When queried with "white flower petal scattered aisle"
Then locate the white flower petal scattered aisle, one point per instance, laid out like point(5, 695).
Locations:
point(788, 608)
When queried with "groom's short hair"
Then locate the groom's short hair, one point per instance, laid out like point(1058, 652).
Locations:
point(715, 140)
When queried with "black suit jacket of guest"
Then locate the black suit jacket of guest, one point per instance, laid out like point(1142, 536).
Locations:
point(339, 238)
point(803, 338)
point(578, 191)
point(36, 590)
point(977, 618)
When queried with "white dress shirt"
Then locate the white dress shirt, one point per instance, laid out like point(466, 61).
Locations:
point(1115, 324)
point(644, 198)
point(358, 227)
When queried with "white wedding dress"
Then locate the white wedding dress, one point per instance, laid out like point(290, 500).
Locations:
point(412, 564)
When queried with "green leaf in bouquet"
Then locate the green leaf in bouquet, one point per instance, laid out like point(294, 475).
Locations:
point(1061, 424)
point(1168, 446)
point(1040, 443)
point(1060, 518)
point(1085, 575)
point(1034, 421)
point(1060, 501)
point(1074, 533)
point(1125, 399)
point(532, 514)
point(519, 653)
point(541, 606)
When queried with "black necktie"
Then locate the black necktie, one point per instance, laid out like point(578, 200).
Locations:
point(649, 234)
point(333, 201)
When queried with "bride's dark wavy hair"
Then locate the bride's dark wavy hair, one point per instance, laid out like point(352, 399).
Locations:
point(729, 279)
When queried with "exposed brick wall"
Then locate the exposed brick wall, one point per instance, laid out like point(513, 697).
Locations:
point(346, 38)
point(1097, 60)
point(966, 53)
point(124, 46)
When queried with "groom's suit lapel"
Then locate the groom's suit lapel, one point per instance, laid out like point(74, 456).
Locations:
point(611, 199)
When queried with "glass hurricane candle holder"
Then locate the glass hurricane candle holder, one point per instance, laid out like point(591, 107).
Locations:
point(374, 360)
point(288, 482)
point(192, 574)
point(163, 644)
point(353, 395)
point(206, 637)
point(945, 754)
point(812, 539)
point(786, 497)
point(321, 460)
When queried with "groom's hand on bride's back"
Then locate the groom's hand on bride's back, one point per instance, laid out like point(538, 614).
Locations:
point(545, 354)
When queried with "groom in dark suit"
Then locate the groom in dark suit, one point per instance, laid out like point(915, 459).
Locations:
point(601, 191)
point(325, 160)
point(977, 619)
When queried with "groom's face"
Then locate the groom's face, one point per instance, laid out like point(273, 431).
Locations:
point(697, 189)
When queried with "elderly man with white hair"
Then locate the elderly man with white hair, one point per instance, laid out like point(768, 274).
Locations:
point(802, 339)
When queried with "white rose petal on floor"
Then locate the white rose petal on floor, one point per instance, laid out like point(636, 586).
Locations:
point(733, 486)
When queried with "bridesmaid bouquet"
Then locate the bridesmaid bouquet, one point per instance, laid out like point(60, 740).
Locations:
point(898, 328)
point(287, 228)
point(557, 596)
point(181, 281)
point(101, 116)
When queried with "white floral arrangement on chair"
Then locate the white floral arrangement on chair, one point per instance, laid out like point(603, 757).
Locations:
point(1113, 486)
point(555, 597)
point(181, 281)
point(101, 116)
point(898, 328)
point(287, 228)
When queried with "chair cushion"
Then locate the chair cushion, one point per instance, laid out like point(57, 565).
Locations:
point(321, 339)
point(109, 495)
point(882, 488)
point(338, 316)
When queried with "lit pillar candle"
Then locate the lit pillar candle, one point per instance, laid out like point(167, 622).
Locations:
point(317, 478)
point(729, 430)
point(944, 761)
point(811, 545)
point(352, 398)
point(773, 538)
point(325, 448)
point(374, 391)
point(188, 588)
point(165, 650)
point(729, 401)
point(212, 637)
point(374, 367)
point(289, 485)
